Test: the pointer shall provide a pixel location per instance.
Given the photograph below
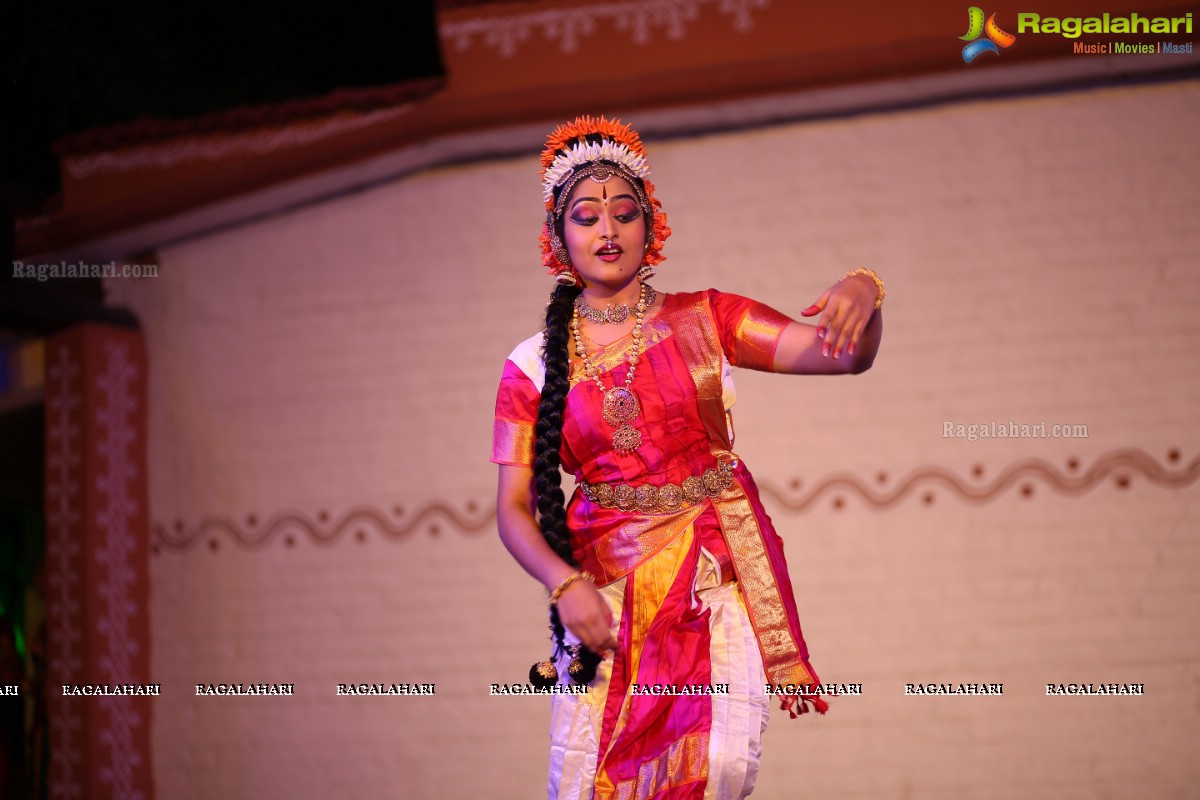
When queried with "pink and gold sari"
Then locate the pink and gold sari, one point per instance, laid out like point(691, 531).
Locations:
point(700, 595)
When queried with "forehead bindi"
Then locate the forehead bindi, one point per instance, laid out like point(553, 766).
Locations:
point(598, 192)
point(604, 198)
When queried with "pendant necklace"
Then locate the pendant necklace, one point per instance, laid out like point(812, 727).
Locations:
point(620, 403)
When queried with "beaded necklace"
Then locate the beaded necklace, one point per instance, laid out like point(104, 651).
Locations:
point(620, 403)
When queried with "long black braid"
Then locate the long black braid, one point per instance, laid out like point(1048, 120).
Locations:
point(547, 461)
point(548, 430)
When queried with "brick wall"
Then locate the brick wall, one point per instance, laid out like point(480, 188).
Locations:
point(321, 391)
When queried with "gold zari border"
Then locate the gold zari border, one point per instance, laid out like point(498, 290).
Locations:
point(685, 761)
point(512, 440)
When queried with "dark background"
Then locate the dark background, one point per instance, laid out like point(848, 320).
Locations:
point(83, 74)
point(74, 65)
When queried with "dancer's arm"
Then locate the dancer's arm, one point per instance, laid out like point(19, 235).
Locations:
point(581, 607)
point(852, 329)
point(801, 350)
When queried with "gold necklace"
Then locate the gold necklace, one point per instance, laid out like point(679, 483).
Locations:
point(615, 314)
point(620, 403)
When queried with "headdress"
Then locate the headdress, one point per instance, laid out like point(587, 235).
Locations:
point(571, 156)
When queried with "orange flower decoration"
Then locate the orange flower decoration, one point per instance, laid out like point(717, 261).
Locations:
point(577, 132)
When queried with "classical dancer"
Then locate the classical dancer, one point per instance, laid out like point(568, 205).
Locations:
point(670, 598)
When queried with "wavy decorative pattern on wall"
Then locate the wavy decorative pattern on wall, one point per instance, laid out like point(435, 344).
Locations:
point(287, 526)
point(1118, 466)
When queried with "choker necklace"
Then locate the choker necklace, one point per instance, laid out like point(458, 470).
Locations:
point(615, 314)
point(620, 403)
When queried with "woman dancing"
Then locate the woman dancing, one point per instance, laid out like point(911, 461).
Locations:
point(669, 595)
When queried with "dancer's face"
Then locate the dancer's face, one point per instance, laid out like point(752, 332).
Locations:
point(604, 231)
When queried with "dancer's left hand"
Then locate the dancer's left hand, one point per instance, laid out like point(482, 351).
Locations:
point(848, 306)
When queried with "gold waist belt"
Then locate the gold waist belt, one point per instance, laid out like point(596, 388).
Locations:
point(670, 497)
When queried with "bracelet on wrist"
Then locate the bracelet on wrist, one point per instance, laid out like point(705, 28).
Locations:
point(870, 273)
point(578, 574)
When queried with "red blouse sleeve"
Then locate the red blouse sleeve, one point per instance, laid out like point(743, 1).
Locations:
point(516, 412)
point(749, 330)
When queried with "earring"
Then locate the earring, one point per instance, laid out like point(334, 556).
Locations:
point(645, 273)
point(560, 252)
point(566, 278)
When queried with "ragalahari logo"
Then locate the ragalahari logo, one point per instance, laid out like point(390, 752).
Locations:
point(975, 27)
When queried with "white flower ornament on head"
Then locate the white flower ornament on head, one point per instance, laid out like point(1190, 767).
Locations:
point(584, 152)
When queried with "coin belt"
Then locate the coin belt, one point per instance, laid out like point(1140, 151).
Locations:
point(669, 497)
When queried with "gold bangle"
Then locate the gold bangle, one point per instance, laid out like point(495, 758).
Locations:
point(870, 273)
point(578, 574)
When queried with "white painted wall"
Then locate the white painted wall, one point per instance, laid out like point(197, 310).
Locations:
point(1040, 254)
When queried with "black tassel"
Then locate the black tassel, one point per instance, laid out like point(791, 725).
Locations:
point(543, 674)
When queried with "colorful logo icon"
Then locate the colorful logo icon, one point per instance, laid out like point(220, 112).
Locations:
point(996, 38)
